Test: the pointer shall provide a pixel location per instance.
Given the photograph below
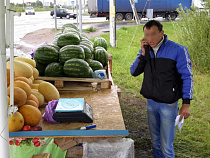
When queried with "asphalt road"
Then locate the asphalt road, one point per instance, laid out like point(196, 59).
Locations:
point(30, 23)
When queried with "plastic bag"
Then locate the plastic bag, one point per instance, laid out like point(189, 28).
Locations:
point(109, 148)
point(49, 111)
point(101, 74)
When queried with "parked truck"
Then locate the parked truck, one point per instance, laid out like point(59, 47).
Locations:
point(161, 8)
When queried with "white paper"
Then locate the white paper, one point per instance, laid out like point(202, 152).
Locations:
point(180, 124)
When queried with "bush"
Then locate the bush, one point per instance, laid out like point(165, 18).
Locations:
point(194, 33)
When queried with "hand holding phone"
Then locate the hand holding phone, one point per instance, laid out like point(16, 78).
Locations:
point(144, 44)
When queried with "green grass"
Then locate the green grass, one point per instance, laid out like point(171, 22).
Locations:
point(194, 141)
point(22, 9)
point(90, 29)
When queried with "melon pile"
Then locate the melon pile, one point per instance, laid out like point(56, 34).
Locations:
point(71, 54)
point(29, 93)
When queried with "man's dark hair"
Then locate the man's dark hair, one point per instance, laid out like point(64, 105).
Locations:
point(151, 23)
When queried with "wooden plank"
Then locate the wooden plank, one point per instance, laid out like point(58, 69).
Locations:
point(72, 79)
point(59, 83)
point(106, 112)
point(43, 155)
point(69, 133)
point(75, 152)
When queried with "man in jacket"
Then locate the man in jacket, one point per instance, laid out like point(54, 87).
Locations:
point(167, 78)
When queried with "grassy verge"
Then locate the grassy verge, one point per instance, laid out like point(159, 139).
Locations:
point(195, 136)
point(22, 9)
point(90, 29)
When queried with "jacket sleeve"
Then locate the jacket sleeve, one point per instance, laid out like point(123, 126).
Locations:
point(138, 65)
point(184, 68)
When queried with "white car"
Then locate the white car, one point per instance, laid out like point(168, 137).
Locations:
point(30, 10)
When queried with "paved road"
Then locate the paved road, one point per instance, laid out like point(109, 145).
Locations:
point(29, 23)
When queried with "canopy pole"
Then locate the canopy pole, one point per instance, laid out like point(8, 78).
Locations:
point(4, 130)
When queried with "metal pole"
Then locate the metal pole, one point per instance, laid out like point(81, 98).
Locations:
point(84, 6)
point(4, 130)
point(112, 23)
point(7, 22)
point(77, 11)
point(55, 14)
point(12, 58)
point(80, 16)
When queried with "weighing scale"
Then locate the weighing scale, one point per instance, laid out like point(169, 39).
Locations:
point(73, 110)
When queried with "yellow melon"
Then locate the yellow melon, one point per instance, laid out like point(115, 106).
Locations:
point(35, 73)
point(8, 100)
point(27, 60)
point(8, 77)
point(32, 79)
point(34, 86)
point(32, 102)
point(15, 122)
point(49, 91)
point(34, 98)
point(21, 69)
point(39, 96)
point(38, 81)
point(31, 115)
point(20, 96)
point(24, 79)
point(24, 86)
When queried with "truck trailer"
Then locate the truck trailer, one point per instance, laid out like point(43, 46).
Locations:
point(161, 8)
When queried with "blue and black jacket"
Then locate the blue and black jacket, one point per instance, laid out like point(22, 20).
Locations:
point(168, 75)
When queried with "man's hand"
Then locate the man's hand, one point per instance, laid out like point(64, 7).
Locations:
point(184, 111)
point(143, 43)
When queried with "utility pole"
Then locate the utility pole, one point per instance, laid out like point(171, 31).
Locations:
point(77, 11)
point(80, 15)
point(134, 11)
point(84, 6)
point(55, 15)
point(112, 4)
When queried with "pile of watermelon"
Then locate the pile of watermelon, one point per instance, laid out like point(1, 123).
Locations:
point(71, 54)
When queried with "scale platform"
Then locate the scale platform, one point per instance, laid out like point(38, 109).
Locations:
point(73, 110)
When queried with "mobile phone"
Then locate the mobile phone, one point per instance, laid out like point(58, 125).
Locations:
point(147, 50)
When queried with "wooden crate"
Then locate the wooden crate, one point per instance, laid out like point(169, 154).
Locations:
point(44, 155)
point(81, 84)
point(75, 152)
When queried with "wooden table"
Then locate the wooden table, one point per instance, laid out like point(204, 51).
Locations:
point(106, 113)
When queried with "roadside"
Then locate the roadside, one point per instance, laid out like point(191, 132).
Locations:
point(133, 109)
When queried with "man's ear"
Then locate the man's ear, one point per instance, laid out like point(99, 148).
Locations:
point(162, 32)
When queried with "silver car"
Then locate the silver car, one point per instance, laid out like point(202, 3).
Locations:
point(30, 11)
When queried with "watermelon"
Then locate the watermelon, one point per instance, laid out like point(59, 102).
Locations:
point(101, 55)
point(87, 52)
point(88, 45)
point(69, 25)
point(95, 65)
point(54, 46)
point(83, 36)
point(41, 68)
point(46, 54)
point(54, 42)
point(54, 70)
point(58, 34)
point(77, 68)
point(68, 39)
point(87, 41)
point(72, 30)
point(100, 41)
point(70, 52)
